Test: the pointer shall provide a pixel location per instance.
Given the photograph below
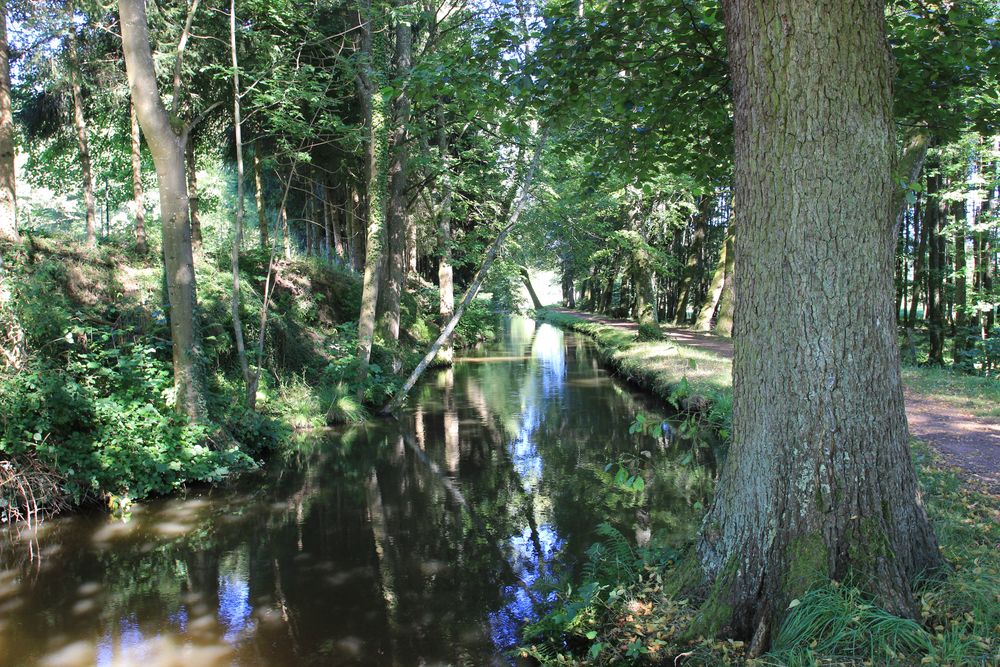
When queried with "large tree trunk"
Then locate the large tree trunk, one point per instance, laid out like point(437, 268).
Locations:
point(139, 211)
point(818, 484)
point(8, 189)
point(396, 229)
point(79, 120)
point(167, 147)
point(373, 103)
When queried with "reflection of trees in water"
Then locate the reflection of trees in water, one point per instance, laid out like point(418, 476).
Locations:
point(366, 545)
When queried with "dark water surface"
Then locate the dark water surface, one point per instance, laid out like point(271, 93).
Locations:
point(397, 543)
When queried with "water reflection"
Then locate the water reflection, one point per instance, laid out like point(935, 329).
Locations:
point(389, 544)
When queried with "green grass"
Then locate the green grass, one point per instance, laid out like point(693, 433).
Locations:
point(975, 394)
point(657, 366)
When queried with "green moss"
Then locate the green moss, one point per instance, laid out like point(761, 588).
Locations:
point(808, 562)
point(872, 543)
point(685, 576)
point(716, 611)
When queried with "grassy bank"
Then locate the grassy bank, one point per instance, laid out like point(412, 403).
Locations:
point(87, 415)
point(640, 606)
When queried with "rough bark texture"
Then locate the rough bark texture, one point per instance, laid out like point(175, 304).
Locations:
point(139, 211)
point(80, 122)
point(374, 110)
point(396, 229)
point(8, 190)
point(192, 187)
point(818, 483)
point(167, 147)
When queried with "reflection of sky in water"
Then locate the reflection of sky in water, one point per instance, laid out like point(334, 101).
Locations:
point(550, 350)
point(523, 452)
point(529, 564)
point(234, 605)
point(133, 647)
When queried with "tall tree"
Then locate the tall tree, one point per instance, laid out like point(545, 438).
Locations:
point(8, 187)
point(80, 121)
point(818, 484)
point(167, 145)
point(371, 78)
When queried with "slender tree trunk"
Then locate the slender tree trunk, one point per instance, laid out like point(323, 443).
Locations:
point(934, 218)
point(8, 187)
point(919, 277)
point(396, 225)
point(286, 232)
point(706, 207)
point(568, 282)
point(446, 281)
point(707, 314)
point(167, 147)
point(374, 110)
point(249, 377)
point(961, 341)
point(355, 247)
point(258, 180)
point(818, 484)
point(138, 209)
point(193, 199)
point(79, 120)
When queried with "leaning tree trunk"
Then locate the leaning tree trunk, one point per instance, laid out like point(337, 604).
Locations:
point(818, 484)
point(526, 279)
point(139, 211)
point(8, 190)
point(167, 147)
point(80, 121)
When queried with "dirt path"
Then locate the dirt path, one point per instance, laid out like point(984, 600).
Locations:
point(964, 441)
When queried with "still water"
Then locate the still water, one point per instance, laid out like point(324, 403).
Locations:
point(397, 543)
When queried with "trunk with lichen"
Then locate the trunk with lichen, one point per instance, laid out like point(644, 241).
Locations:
point(167, 148)
point(8, 190)
point(818, 484)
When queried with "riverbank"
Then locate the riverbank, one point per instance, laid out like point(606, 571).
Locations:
point(652, 612)
point(86, 414)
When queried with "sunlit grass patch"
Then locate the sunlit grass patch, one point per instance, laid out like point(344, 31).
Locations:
point(977, 394)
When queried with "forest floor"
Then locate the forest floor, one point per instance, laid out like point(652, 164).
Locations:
point(967, 441)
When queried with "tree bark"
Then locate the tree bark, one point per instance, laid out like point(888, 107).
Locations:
point(706, 206)
point(8, 185)
point(934, 216)
point(249, 377)
point(373, 103)
point(446, 280)
point(138, 209)
point(80, 121)
point(707, 314)
point(258, 180)
point(167, 148)
point(961, 341)
point(919, 277)
point(526, 279)
point(396, 229)
point(192, 185)
point(818, 483)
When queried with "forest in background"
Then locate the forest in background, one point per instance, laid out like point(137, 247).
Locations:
point(238, 218)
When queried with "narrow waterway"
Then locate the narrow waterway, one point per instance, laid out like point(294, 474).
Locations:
point(397, 543)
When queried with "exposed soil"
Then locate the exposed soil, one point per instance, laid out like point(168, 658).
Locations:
point(969, 443)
